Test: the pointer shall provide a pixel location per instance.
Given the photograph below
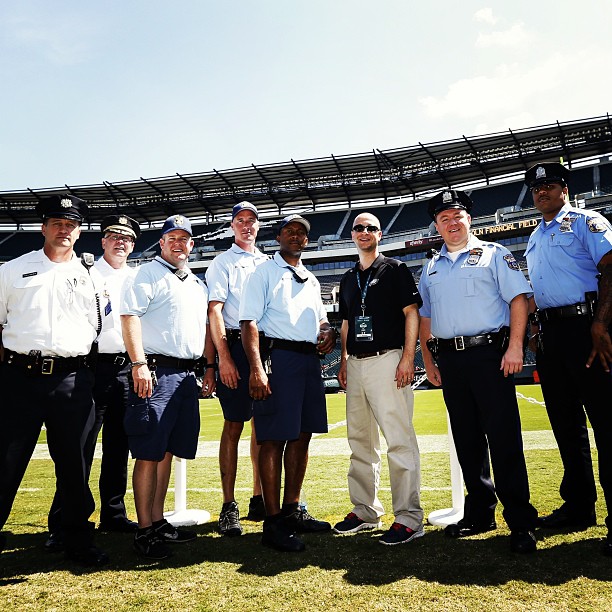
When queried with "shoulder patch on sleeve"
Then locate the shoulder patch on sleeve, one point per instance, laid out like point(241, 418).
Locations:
point(511, 262)
point(596, 225)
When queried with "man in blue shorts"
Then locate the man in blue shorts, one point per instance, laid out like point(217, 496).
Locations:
point(282, 299)
point(163, 316)
point(225, 277)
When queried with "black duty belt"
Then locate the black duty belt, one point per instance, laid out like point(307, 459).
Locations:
point(374, 354)
point(39, 364)
point(173, 362)
point(460, 343)
point(564, 312)
point(308, 348)
point(118, 359)
point(232, 335)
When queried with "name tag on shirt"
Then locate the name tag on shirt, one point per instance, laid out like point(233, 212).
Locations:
point(363, 329)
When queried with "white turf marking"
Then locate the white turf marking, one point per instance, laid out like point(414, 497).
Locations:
point(329, 447)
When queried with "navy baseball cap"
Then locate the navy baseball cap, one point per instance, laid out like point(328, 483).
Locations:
point(62, 207)
point(547, 172)
point(244, 206)
point(449, 198)
point(177, 222)
point(294, 219)
point(120, 224)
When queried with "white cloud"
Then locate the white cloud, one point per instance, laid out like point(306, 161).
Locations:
point(485, 15)
point(516, 36)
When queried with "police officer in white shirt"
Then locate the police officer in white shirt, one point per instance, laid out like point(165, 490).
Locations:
point(50, 318)
point(225, 277)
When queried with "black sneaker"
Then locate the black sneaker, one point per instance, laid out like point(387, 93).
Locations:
point(172, 534)
point(400, 534)
point(257, 510)
point(229, 520)
point(277, 534)
point(301, 521)
point(351, 523)
point(149, 545)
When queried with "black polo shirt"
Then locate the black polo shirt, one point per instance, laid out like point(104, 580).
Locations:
point(390, 289)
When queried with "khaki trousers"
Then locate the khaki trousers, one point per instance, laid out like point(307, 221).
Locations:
point(373, 401)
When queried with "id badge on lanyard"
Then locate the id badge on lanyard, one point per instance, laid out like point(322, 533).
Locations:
point(364, 331)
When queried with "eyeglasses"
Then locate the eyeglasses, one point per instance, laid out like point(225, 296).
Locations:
point(366, 228)
point(119, 238)
point(545, 187)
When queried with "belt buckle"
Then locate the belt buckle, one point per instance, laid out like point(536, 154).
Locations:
point(46, 365)
point(459, 343)
point(119, 360)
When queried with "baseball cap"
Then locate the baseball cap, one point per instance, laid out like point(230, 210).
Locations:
point(244, 206)
point(295, 219)
point(177, 222)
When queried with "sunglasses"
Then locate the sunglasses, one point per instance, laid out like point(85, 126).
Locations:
point(366, 228)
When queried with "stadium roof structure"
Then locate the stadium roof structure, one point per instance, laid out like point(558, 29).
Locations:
point(318, 184)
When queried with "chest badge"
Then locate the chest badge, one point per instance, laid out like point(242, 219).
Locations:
point(474, 256)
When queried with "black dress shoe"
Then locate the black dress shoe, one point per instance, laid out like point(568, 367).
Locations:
point(562, 519)
point(119, 526)
point(466, 528)
point(55, 542)
point(89, 556)
point(523, 541)
point(276, 534)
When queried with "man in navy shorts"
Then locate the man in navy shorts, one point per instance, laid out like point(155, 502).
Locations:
point(163, 316)
point(282, 299)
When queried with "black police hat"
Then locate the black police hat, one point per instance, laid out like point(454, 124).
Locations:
point(449, 198)
point(120, 224)
point(547, 172)
point(62, 207)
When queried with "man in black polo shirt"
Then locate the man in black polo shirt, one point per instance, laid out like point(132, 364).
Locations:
point(380, 320)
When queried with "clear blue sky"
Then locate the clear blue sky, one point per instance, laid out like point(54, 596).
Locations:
point(115, 90)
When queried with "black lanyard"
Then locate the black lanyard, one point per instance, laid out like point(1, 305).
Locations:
point(364, 290)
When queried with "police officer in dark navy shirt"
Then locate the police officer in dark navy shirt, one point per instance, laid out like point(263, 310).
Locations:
point(569, 257)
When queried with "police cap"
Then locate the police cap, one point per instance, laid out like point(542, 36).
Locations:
point(449, 198)
point(177, 222)
point(120, 224)
point(295, 219)
point(62, 207)
point(547, 172)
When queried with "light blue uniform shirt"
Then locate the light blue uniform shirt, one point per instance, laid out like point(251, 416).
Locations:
point(172, 312)
point(281, 306)
point(472, 295)
point(225, 278)
point(562, 256)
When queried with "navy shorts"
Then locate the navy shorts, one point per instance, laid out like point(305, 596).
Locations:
point(237, 404)
point(168, 421)
point(297, 402)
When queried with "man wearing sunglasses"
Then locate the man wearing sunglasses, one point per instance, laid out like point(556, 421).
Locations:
point(569, 257)
point(282, 299)
point(380, 320)
point(474, 316)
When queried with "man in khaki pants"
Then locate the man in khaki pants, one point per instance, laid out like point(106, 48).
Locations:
point(380, 320)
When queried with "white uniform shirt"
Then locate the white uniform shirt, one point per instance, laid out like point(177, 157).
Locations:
point(172, 312)
point(283, 307)
point(46, 306)
point(226, 277)
point(111, 339)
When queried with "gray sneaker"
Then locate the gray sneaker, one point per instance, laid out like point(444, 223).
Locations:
point(229, 520)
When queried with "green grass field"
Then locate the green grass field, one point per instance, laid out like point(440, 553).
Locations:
point(335, 572)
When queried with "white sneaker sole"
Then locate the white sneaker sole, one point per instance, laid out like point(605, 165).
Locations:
point(362, 527)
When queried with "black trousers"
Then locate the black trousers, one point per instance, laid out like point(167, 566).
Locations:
point(570, 388)
point(485, 420)
point(110, 394)
point(63, 401)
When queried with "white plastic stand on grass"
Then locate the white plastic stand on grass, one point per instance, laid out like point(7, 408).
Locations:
point(181, 516)
point(449, 516)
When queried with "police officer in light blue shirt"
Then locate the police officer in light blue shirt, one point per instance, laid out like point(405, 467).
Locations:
point(475, 306)
point(569, 256)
